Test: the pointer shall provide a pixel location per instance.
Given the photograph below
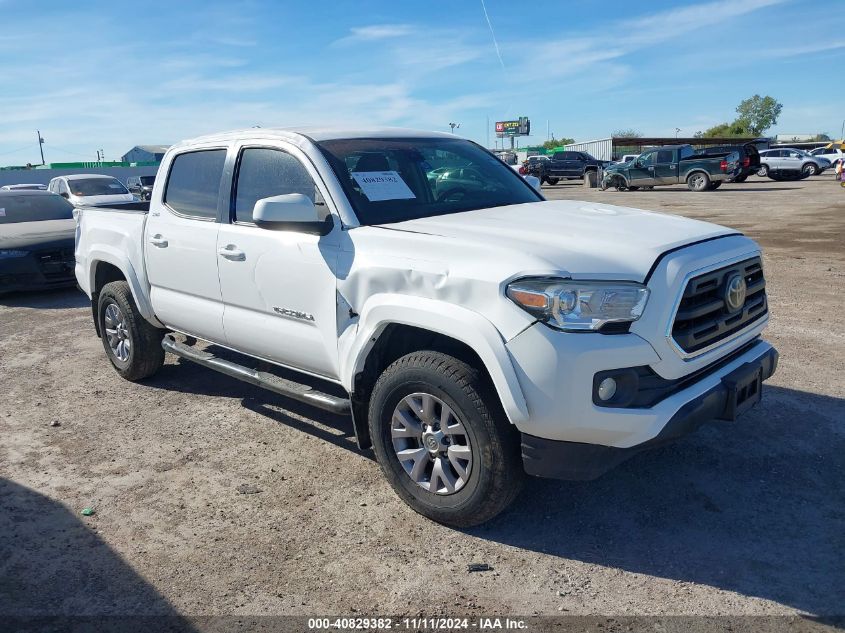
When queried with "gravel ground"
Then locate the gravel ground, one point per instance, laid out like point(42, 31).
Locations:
point(744, 518)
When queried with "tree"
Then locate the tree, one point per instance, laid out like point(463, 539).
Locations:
point(757, 114)
point(557, 142)
point(629, 133)
point(726, 130)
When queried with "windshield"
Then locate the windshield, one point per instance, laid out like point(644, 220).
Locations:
point(392, 180)
point(34, 208)
point(96, 187)
point(147, 181)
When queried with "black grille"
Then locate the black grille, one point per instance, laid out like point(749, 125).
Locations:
point(703, 317)
point(56, 264)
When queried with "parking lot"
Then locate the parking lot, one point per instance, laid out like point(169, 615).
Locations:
point(211, 496)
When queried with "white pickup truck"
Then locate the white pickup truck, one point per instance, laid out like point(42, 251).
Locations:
point(474, 331)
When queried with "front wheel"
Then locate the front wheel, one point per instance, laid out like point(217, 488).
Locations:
point(442, 440)
point(698, 181)
point(763, 171)
point(552, 181)
point(810, 169)
point(132, 344)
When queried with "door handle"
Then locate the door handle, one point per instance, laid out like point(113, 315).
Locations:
point(158, 240)
point(232, 253)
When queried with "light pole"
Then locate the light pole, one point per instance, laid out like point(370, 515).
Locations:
point(842, 131)
point(677, 131)
point(40, 145)
point(454, 126)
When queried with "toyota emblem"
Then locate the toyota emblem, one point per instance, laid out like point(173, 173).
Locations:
point(735, 293)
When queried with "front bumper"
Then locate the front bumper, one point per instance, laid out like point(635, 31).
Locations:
point(37, 271)
point(580, 461)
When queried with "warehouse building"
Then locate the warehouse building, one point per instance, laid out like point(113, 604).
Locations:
point(145, 154)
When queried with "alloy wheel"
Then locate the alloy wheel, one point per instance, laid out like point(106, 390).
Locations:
point(116, 333)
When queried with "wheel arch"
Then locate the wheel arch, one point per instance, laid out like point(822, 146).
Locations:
point(390, 327)
point(107, 266)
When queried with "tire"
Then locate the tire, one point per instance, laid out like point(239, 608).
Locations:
point(715, 185)
point(132, 344)
point(493, 475)
point(698, 181)
point(763, 171)
point(633, 188)
point(810, 169)
point(742, 178)
point(552, 181)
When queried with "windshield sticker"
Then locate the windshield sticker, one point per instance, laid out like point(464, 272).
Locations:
point(382, 185)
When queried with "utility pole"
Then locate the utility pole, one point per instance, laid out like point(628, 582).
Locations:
point(677, 131)
point(41, 146)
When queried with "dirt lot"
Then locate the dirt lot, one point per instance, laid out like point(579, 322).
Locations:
point(746, 518)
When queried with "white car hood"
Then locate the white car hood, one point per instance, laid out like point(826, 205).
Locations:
point(583, 239)
point(93, 201)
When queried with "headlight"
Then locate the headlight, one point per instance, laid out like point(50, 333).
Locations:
point(10, 254)
point(579, 305)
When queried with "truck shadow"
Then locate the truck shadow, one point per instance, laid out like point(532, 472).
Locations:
point(56, 573)
point(755, 507)
point(187, 377)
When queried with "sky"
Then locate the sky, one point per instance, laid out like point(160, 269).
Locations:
point(110, 75)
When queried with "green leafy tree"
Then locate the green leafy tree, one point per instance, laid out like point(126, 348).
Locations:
point(757, 114)
point(629, 133)
point(557, 142)
point(726, 130)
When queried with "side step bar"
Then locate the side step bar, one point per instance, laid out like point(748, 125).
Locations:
point(287, 388)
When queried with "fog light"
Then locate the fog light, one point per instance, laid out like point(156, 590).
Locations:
point(607, 389)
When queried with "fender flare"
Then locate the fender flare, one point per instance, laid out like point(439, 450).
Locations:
point(110, 255)
point(448, 319)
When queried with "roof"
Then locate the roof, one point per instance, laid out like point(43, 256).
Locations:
point(321, 133)
point(84, 176)
point(152, 149)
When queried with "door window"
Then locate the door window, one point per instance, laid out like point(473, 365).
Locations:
point(193, 185)
point(646, 159)
point(263, 173)
point(664, 156)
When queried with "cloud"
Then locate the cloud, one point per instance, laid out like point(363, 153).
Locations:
point(375, 32)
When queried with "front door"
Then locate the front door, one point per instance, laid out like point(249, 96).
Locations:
point(181, 246)
point(279, 287)
point(641, 172)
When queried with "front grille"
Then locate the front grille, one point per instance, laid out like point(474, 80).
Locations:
point(56, 264)
point(703, 317)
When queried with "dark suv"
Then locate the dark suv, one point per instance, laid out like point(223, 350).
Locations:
point(141, 186)
point(564, 166)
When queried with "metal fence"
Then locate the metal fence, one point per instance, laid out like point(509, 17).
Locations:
point(601, 148)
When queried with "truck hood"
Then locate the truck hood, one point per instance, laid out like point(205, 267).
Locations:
point(30, 235)
point(581, 239)
point(93, 201)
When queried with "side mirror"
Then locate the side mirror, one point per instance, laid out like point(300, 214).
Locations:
point(290, 212)
point(65, 195)
point(533, 181)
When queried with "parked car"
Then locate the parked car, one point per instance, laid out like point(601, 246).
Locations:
point(474, 333)
point(24, 187)
point(141, 186)
point(627, 158)
point(791, 160)
point(565, 166)
point(831, 153)
point(670, 165)
point(36, 241)
point(749, 157)
point(90, 189)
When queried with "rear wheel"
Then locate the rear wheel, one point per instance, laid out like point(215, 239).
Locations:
point(132, 344)
point(742, 178)
point(442, 440)
point(698, 181)
point(715, 185)
point(552, 181)
point(763, 171)
point(810, 169)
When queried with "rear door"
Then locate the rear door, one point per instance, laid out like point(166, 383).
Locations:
point(665, 167)
point(181, 245)
point(278, 287)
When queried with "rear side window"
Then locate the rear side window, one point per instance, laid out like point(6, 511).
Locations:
point(193, 186)
point(664, 156)
point(264, 173)
point(34, 208)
